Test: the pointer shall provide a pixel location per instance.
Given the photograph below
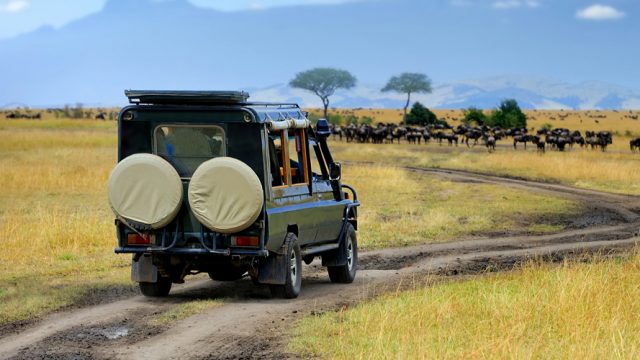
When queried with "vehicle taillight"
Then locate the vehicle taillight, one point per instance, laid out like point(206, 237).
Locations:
point(137, 239)
point(246, 241)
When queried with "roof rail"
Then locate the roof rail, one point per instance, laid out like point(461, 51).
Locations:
point(174, 97)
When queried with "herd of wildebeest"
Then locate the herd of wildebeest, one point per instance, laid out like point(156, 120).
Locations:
point(74, 113)
point(556, 139)
point(388, 133)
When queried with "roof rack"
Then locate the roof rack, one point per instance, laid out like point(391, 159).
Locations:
point(172, 97)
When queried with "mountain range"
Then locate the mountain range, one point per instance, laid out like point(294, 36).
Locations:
point(173, 44)
point(486, 93)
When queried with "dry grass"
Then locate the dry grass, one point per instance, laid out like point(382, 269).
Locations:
point(56, 228)
point(574, 311)
point(184, 310)
point(403, 208)
point(612, 171)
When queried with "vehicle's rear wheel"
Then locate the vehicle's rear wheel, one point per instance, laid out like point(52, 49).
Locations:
point(346, 273)
point(160, 288)
point(293, 283)
point(227, 274)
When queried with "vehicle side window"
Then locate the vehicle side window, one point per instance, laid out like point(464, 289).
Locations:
point(186, 147)
point(277, 159)
point(297, 145)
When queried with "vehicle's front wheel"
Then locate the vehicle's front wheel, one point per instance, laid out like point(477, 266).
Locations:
point(160, 288)
point(346, 273)
point(293, 283)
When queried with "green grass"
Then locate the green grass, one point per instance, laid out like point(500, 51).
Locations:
point(573, 311)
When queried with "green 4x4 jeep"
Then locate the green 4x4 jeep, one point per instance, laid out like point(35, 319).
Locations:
point(208, 182)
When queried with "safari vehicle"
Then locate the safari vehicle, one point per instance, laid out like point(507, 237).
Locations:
point(209, 182)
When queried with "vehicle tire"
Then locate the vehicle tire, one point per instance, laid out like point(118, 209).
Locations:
point(293, 284)
point(156, 289)
point(228, 274)
point(345, 274)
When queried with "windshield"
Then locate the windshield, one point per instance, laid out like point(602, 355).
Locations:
point(186, 147)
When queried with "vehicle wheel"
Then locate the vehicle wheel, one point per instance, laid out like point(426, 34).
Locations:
point(156, 289)
point(293, 284)
point(346, 273)
point(228, 274)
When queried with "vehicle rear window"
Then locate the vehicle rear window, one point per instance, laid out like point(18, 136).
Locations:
point(186, 147)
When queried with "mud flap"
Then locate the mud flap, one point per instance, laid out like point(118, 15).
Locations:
point(274, 269)
point(337, 257)
point(143, 270)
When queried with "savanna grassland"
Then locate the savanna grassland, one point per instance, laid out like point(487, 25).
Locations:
point(58, 237)
point(56, 228)
point(572, 311)
point(58, 233)
point(617, 171)
point(576, 310)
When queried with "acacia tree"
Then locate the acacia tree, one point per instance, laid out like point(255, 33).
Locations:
point(408, 83)
point(474, 115)
point(323, 82)
point(508, 115)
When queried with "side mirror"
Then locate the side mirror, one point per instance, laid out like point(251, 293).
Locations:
point(335, 172)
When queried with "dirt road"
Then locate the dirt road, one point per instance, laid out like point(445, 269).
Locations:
point(251, 325)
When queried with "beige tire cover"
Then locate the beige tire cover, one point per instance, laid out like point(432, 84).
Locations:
point(225, 195)
point(145, 188)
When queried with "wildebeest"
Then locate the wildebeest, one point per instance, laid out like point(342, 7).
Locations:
point(524, 139)
point(634, 144)
point(490, 143)
point(601, 139)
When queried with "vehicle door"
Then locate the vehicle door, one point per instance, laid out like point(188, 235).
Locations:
point(292, 201)
point(329, 212)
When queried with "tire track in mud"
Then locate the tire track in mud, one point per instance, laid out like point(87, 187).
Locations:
point(251, 325)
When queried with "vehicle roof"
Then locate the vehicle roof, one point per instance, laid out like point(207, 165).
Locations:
point(265, 111)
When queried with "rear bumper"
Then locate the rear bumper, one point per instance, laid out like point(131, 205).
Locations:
point(191, 251)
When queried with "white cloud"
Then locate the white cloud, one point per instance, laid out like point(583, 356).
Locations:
point(511, 4)
point(600, 12)
point(14, 6)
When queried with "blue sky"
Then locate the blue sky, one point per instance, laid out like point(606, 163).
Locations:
point(186, 46)
point(19, 16)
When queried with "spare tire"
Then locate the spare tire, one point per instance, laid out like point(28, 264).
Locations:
point(225, 195)
point(145, 189)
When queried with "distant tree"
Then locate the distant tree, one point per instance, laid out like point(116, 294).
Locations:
point(323, 82)
point(351, 119)
point(420, 115)
point(335, 119)
point(508, 115)
point(408, 83)
point(474, 115)
point(367, 120)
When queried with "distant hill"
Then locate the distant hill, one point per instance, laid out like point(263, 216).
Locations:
point(172, 44)
point(531, 93)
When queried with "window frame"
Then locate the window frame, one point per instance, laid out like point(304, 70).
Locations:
point(284, 160)
point(223, 147)
point(305, 156)
point(286, 165)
